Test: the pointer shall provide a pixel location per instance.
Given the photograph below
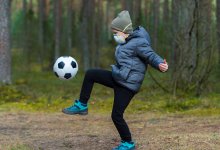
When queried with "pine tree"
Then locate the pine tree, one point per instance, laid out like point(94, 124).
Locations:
point(5, 54)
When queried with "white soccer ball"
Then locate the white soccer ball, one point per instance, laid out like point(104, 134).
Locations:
point(65, 67)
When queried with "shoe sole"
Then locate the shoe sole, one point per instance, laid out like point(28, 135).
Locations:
point(79, 113)
point(129, 149)
point(134, 148)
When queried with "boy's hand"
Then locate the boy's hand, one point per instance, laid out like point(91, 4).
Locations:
point(163, 66)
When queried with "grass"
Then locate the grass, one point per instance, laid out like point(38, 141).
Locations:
point(42, 91)
point(16, 147)
point(34, 90)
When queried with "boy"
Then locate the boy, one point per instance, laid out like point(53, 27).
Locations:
point(133, 54)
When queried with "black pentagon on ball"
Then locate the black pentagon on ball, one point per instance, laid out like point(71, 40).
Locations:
point(67, 75)
point(73, 64)
point(56, 74)
point(61, 65)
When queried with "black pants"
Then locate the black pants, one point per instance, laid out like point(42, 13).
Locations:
point(122, 97)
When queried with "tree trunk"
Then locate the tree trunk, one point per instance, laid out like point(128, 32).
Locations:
point(193, 45)
point(137, 15)
point(175, 14)
point(91, 32)
point(5, 54)
point(69, 25)
point(47, 8)
point(128, 5)
point(107, 26)
point(30, 5)
point(84, 34)
point(57, 15)
point(98, 32)
point(146, 13)
point(155, 22)
point(110, 14)
point(25, 34)
point(205, 48)
point(166, 14)
point(42, 19)
point(218, 28)
point(123, 4)
point(166, 30)
point(185, 33)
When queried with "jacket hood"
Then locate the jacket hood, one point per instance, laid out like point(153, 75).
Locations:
point(139, 32)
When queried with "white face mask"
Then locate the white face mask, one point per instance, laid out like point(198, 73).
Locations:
point(119, 39)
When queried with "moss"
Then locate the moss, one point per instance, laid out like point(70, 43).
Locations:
point(17, 147)
point(194, 106)
point(10, 93)
point(42, 91)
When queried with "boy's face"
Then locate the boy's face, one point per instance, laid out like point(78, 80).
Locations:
point(119, 33)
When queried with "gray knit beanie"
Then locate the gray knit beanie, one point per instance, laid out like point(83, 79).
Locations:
point(123, 22)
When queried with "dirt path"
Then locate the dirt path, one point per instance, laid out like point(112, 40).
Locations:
point(96, 132)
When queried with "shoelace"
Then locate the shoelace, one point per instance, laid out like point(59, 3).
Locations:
point(72, 106)
point(122, 146)
point(75, 105)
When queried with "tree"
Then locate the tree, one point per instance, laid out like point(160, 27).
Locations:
point(218, 28)
point(193, 47)
point(166, 14)
point(110, 13)
point(24, 30)
point(137, 15)
point(85, 28)
point(175, 14)
point(69, 25)
point(165, 32)
point(42, 30)
point(5, 54)
point(91, 32)
point(57, 17)
point(98, 32)
point(127, 5)
point(146, 13)
point(156, 5)
point(204, 53)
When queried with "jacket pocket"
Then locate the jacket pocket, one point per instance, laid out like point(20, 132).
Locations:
point(135, 77)
point(120, 73)
point(124, 71)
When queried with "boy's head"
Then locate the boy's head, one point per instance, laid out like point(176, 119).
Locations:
point(122, 23)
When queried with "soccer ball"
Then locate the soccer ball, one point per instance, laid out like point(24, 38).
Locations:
point(65, 67)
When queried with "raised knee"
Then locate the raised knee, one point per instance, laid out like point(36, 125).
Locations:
point(89, 72)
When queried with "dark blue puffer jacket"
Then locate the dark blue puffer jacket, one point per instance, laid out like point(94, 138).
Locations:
point(132, 59)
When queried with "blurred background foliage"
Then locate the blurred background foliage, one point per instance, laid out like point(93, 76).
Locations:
point(185, 33)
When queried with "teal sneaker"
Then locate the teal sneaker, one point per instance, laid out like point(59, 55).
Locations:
point(125, 146)
point(76, 108)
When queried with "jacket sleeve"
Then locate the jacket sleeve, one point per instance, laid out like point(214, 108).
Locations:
point(146, 53)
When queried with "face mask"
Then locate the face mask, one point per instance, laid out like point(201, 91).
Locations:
point(119, 39)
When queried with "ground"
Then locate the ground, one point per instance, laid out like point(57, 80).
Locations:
point(57, 131)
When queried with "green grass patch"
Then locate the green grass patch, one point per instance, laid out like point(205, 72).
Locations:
point(34, 90)
point(205, 106)
point(16, 147)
